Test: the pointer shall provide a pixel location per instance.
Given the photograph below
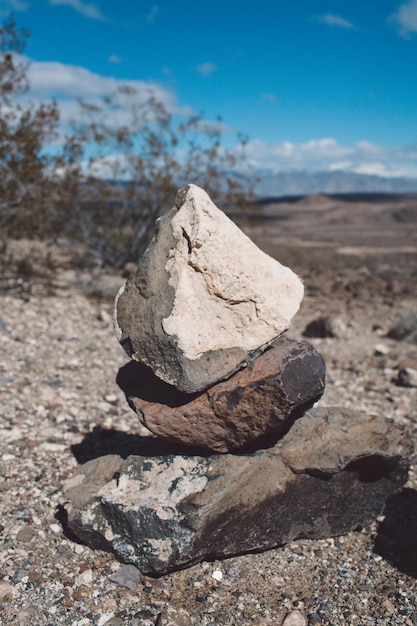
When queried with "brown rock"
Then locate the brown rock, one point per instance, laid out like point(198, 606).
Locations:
point(25, 534)
point(171, 616)
point(6, 592)
point(262, 399)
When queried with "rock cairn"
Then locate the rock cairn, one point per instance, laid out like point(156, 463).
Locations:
point(203, 319)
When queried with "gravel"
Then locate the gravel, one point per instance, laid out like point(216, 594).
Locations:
point(60, 406)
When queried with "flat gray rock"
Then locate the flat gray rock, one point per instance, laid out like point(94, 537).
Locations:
point(205, 299)
point(332, 472)
point(261, 400)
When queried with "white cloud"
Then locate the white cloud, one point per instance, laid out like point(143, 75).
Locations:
point(18, 6)
point(269, 97)
point(316, 153)
point(340, 166)
point(12, 6)
point(67, 84)
point(387, 170)
point(53, 79)
point(206, 69)
point(118, 166)
point(153, 13)
point(108, 167)
point(328, 155)
point(113, 58)
point(405, 18)
point(50, 78)
point(87, 10)
point(335, 20)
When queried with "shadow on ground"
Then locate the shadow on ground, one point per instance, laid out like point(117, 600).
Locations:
point(396, 539)
point(101, 441)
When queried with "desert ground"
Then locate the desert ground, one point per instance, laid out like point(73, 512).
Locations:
point(61, 406)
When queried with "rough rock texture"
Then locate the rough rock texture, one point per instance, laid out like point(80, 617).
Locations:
point(332, 472)
point(205, 300)
point(262, 399)
point(405, 327)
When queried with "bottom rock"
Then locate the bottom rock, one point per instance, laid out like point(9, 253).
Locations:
point(331, 473)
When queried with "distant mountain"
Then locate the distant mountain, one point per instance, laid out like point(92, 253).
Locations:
point(307, 183)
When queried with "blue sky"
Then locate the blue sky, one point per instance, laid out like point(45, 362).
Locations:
point(318, 85)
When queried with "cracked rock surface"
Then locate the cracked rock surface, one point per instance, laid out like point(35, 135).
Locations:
point(201, 273)
point(331, 473)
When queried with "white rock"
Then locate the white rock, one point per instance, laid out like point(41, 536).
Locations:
point(205, 299)
point(56, 528)
point(295, 618)
point(381, 349)
point(217, 575)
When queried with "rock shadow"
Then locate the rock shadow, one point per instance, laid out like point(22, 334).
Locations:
point(138, 380)
point(396, 539)
point(103, 441)
point(61, 516)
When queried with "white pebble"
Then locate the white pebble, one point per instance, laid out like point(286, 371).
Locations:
point(295, 618)
point(87, 577)
point(53, 447)
point(381, 349)
point(111, 398)
point(217, 575)
point(56, 528)
point(105, 618)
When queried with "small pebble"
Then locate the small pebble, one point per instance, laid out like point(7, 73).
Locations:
point(6, 592)
point(127, 576)
point(56, 528)
point(111, 398)
point(25, 534)
point(295, 618)
point(380, 349)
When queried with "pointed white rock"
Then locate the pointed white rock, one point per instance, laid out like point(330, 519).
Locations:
point(205, 299)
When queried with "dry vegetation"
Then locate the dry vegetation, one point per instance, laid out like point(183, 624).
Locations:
point(101, 183)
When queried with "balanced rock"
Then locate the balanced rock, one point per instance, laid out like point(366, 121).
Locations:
point(262, 399)
point(331, 473)
point(205, 300)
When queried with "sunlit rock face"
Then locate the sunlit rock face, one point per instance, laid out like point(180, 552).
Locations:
point(205, 300)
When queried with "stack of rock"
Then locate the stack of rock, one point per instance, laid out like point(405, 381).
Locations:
point(203, 319)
